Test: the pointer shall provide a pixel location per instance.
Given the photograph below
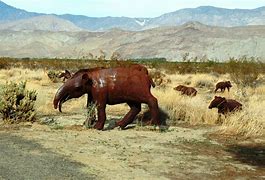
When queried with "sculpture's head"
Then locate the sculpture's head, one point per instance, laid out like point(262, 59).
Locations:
point(79, 84)
point(216, 102)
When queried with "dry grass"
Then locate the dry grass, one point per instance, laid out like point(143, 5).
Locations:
point(248, 122)
point(182, 108)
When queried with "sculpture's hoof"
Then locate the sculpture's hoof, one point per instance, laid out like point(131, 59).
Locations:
point(98, 127)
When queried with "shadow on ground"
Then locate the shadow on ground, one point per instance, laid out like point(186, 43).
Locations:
point(249, 154)
point(142, 120)
point(24, 159)
point(146, 116)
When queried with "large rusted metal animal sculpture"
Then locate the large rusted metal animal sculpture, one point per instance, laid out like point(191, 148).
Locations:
point(189, 91)
point(223, 85)
point(111, 86)
point(224, 105)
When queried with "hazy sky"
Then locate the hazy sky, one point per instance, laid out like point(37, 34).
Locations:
point(129, 8)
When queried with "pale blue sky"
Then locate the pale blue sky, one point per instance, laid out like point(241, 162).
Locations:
point(128, 8)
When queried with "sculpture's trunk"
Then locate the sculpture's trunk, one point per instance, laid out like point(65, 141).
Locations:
point(59, 98)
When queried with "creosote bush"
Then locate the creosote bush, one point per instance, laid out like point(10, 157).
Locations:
point(91, 115)
point(17, 103)
point(159, 78)
point(244, 72)
point(53, 76)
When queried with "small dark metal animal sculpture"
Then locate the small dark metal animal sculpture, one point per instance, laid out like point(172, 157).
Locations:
point(111, 86)
point(66, 75)
point(223, 85)
point(224, 105)
point(189, 91)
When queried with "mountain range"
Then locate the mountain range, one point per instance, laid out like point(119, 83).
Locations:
point(211, 32)
point(208, 15)
point(169, 42)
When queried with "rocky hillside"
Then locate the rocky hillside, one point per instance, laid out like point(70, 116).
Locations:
point(169, 42)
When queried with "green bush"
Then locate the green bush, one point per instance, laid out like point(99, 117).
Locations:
point(53, 76)
point(17, 103)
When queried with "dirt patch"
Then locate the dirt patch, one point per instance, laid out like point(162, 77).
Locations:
point(142, 152)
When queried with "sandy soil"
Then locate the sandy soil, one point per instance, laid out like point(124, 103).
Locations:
point(137, 153)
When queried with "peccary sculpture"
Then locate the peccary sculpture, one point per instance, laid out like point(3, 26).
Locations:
point(224, 105)
point(223, 85)
point(189, 91)
point(111, 86)
point(66, 75)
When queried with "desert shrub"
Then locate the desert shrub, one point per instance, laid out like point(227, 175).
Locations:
point(91, 115)
point(53, 76)
point(17, 103)
point(201, 83)
point(244, 72)
point(159, 78)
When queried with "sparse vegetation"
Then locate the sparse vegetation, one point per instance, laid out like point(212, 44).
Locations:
point(90, 115)
point(53, 76)
point(191, 66)
point(245, 72)
point(203, 75)
point(17, 103)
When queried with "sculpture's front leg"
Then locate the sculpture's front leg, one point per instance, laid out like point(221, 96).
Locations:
point(101, 117)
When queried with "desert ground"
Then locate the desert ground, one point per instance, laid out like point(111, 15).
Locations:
point(196, 145)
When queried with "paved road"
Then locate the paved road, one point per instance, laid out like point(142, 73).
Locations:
point(23, 159)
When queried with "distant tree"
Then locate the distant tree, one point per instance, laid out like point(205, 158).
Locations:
point(204, 58)
point(115, 56)
point(102, 55)
point(90, 56)
point(185, 57)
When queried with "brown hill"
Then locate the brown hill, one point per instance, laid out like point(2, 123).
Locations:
point(169, 42)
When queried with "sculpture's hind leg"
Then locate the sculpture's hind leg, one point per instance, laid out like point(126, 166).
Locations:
point(129, 117)
point(153, 106)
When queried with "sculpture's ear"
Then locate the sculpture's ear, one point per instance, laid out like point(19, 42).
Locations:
point(223, 98)
point(215, 97)
point(86, 79)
